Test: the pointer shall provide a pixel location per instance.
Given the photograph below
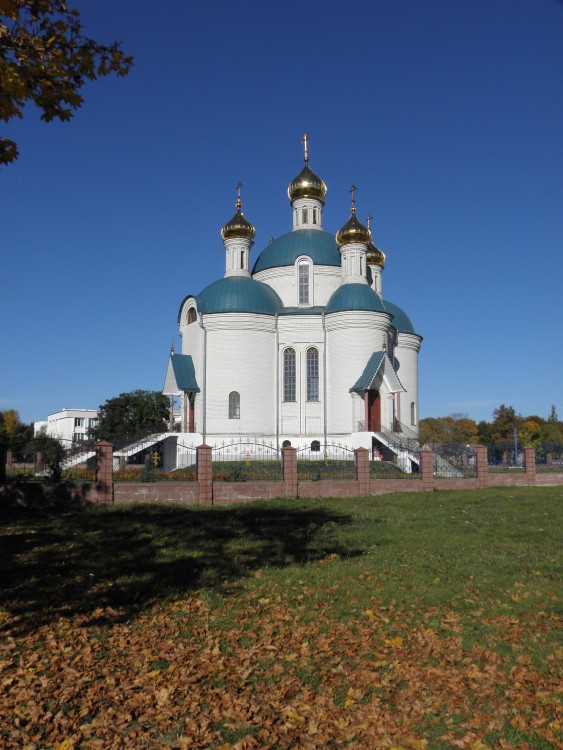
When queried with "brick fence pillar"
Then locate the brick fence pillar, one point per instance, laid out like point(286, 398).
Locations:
point(38, 462)
point(3, 461)
point(482, 461)
point(204, 475)
point(289, 462)
point(530, 463)
point(104, 472)
point(426, 469)
point(9, 458)
point(362, 469)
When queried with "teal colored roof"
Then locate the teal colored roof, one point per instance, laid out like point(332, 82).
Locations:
point(239, 294)
point(370, 371)
point(320, 246)
point(401, 321)
point(375, 362)
point(354, 297)
point(184, 372)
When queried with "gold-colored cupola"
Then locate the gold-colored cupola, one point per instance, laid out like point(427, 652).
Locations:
point(238, 226)
point(374, 256)
point(307, 184)
point(353, 230)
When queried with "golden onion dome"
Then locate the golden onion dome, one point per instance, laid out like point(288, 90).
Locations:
point(375, 256)
point(307, 185)
point(353, 231)
point(238, 226)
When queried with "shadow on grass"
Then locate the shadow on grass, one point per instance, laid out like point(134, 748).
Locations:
point(81, 560)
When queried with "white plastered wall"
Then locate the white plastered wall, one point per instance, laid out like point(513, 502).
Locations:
point(406, 366)
point(240, 355)
point(352, 337)
point(284, 281)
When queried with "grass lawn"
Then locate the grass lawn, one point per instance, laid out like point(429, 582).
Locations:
point(403, 621)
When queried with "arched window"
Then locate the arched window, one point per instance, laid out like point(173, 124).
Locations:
point(234, 405)
point(315, 446)
point(314, 215)
point(303, 283)
point(312, 374)
point(305, 215)
point(192, 315)
point(289, 375)
point(413, 413)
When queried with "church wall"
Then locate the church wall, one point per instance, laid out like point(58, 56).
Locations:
point(240, 358)
point(352, 337)
point(301, 417)
point(324, 280)
point(406, 366)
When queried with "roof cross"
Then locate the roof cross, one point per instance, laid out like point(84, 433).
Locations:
point(305, 142)
point(369, 217)
point(353, 191)
point(239, 204)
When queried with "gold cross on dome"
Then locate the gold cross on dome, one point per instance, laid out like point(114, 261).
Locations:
point(353, 191)
point(239, 185)
point(305, 142)
point(368, 219)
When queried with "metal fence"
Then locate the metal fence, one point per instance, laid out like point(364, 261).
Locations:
point(326, 461)
point(245, 460)
point(158, 461)
point(401, 467)
point(454, 461)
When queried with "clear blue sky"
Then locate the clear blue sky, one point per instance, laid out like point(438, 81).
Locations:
point(447, 115)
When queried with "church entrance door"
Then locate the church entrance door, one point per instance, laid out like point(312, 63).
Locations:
point(191, 400)
point(374, 411)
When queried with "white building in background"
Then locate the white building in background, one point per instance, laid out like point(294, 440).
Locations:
point(301, 345)
point(68, 424)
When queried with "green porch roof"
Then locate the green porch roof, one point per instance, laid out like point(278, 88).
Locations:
point(180, 375)
point(375, 362)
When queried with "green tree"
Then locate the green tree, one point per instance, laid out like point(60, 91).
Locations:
point(52, 453)
point(504, 422)
point(484, 433)
point(131, 416)
point(45, 58)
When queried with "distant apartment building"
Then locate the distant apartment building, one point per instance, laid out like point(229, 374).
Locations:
point(68, 424)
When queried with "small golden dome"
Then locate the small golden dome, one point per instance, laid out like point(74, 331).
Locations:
point(353, 231)
point(375, 256)
point(238, 226)
point(307, 185)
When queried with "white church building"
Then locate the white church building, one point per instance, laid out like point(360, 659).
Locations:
point(298, 344)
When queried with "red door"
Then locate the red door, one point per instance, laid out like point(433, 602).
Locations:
point(374, 411)
point(191, 399)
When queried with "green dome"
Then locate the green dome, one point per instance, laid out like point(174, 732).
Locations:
point(238, 294)
point(354, 297)
point(320, 246)
point(401, 321)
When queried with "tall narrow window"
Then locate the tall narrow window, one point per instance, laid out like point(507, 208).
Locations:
point(304, 283)
point(312, 375)
point(191, 315)
point(314, 215)
point(234, 405)
point(413, 413)
point(305, 215)
point(289, 375)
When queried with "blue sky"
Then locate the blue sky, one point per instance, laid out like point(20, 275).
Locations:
point(447, 115)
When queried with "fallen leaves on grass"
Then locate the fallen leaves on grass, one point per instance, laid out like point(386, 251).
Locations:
point(174, 677)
